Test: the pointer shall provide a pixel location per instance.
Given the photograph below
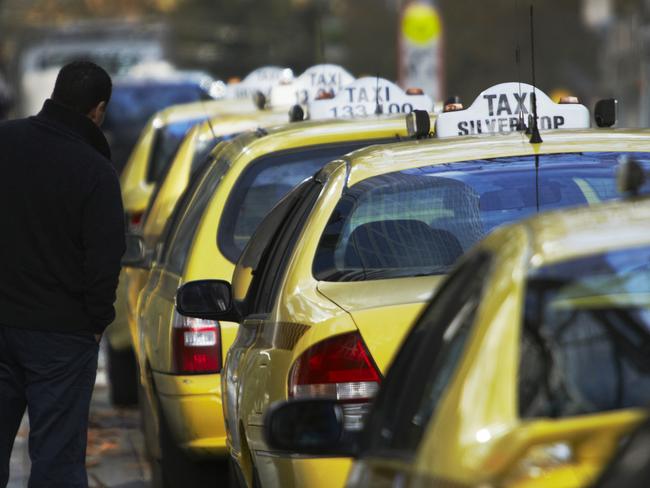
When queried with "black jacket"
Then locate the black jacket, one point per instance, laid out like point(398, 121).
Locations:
point(61, 223)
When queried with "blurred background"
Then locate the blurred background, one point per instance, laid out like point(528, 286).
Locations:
point(591, 48)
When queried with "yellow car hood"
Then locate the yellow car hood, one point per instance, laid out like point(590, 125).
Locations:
point(383, 310)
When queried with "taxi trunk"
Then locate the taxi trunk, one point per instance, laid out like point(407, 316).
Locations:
point(383, 310)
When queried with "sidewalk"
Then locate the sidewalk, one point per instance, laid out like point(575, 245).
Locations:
point(115, 455)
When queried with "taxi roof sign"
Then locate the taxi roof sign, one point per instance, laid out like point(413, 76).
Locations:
point(369, 96)
point(498, 109)
point(259, 80)
point(329, 78)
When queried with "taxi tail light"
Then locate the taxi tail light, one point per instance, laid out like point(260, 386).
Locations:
point(135, 220)
point(340, 368)
point(197, 345)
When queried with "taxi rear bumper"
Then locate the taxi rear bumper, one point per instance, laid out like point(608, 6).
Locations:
point(302, 471)
point(192, 408)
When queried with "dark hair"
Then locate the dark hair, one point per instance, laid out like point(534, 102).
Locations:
point(81, 85)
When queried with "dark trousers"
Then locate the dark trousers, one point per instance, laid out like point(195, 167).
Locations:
point(52, 375)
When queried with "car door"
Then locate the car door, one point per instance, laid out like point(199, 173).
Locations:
point(265, 258)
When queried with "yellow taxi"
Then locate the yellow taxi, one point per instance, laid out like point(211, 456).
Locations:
point(157, 146)
point(188, 161)
point(180, 358)
point(333, 278)
point(528, 368)
point(275, 90)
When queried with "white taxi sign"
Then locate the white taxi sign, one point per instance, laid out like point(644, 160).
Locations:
point(260, 80)
point(497, 110)
point(319, 79)
point(365, 96)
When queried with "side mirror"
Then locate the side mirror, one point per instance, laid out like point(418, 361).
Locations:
point(605, 112)
point(135, 255)
point(207, 299)
point(296, 114)
point(313, 427)
point(418, 124)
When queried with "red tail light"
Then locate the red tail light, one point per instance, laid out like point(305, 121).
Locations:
point(197, 345)
point(135, 220)
point(339, 368)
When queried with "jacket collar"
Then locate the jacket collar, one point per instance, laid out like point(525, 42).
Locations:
point(54, 113)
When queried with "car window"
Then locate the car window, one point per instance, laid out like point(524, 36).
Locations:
point(586, 336)
point(166, 142)
point(420, 221)
point(189, 212)
point(200, 160)
point(264, 183)
point(204, 147)
point(426, 363)
point(273, 263)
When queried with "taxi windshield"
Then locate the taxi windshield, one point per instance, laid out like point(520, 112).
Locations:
point(585, 336)
point(419, 221)
point(166, 142)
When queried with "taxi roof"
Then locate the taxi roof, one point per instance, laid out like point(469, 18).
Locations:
point(299, 134)
point(572, 233)
point(376, 160)
point(205, 108)
point(232, 123)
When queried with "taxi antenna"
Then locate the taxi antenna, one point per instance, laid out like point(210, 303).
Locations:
point(535, 137)
point(521, 124)
point(208, 119)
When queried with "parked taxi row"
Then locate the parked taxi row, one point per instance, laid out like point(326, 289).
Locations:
point(227, 197)
point(173, 147)
point(298, 258)
point(355, 253)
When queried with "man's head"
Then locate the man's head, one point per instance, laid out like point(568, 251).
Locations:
point(84, 87)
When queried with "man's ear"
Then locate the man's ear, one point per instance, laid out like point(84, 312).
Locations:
point(98, 113)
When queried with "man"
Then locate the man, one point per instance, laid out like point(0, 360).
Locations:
point(62, 239)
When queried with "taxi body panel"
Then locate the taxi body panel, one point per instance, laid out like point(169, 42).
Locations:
point(205, 259)
point(438, 151)
point(476, 435)
point(136, 191)
point(369, 306)
point(382, 302)
point(179, 173)
point(132, 279)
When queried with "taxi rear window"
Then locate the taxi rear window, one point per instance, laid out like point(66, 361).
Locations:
point(264, 183)
point(420, 221)
point(166, 142)
point(586, 330)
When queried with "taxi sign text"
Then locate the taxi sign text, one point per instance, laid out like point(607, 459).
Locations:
point(318, 79)
point(368, 96)
point(262, 80)
point(499, 110)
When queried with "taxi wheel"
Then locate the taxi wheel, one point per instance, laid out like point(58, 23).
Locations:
point(236, 478)
point(122, 377)
point(148, 426)
point(175, 468)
